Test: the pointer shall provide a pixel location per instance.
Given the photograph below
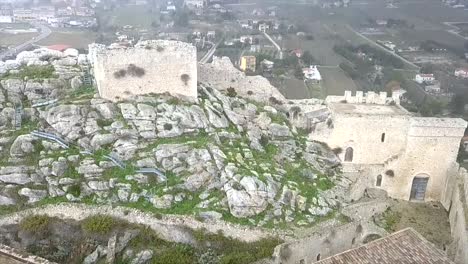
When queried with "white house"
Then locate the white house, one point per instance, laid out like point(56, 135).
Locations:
point(424, 78)
point(461, 73)
point(246, 39)
point(192, 4)
point(211, 34)
point(312, 73)
point(433, 88)
point(267, 65)
point(263, 27)
point(6, 19)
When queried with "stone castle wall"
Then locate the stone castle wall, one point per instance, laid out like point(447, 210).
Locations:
point(455, 201)
point(156, 66)
point(411, 146)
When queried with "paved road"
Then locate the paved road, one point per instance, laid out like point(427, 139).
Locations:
point(45, 32)
point(210, 53)
point(274, 44)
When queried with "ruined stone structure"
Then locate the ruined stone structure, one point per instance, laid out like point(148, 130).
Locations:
point(154, 66)
point(389, 148)
point(455, 201)
point(222, 75)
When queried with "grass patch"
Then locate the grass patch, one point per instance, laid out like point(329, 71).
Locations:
point(75, 190)
point(199, 140)
point(36, 224)
point(83, 90)
point(234, 251)
point(33, 72)
point(390, 220)
point(279, 118)
point(98, 224)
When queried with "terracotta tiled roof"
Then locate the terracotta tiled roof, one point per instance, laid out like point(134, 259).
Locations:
point(403, 247)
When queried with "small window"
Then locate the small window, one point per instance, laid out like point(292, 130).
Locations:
point(382, 138)
point(349, 154)
point(379, 181)
point(353, 241)
point(302, 261)
point(318, 257)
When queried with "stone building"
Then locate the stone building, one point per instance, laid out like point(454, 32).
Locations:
point(153, 66)
point(388, 148)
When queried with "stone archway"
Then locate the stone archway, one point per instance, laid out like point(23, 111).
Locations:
point(349, 154)
point(419, 187)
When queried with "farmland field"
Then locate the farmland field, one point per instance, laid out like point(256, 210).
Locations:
point(76, 39)
point(335, 81)
point(293, 88)
point(15, 39)
point(136, 16)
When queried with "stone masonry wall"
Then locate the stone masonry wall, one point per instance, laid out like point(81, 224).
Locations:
point(412, 146)
point(169, 227)
point(161, 66)
point(455, 201)
point(333, 239)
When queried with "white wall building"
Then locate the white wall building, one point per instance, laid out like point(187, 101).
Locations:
point(461, 73)
point(424, 78)
point(312, 73)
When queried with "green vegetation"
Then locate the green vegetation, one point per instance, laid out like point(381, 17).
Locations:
point(37, 224)
point(84, 90)
point(176, 254)
point(33, 72)
point(234, 251)
point(199, 140)
point(391, 219)
point(98, 224)
point(75, 190)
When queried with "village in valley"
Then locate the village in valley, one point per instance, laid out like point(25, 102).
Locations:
point(233, 131)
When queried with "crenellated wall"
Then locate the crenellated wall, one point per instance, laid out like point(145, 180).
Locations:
point(159, 66)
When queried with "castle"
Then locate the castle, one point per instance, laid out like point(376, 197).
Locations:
point(153, 66)
point(390, 149)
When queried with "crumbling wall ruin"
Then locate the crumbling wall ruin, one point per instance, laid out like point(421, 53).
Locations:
point(221, 74)
point(153, 66)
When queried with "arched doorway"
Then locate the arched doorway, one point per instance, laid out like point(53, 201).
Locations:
point(419, 186)
point(349, 154)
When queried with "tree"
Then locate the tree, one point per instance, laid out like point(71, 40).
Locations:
point(458, 104)
point(298, 72)
point(427, 68)
point(307, 58)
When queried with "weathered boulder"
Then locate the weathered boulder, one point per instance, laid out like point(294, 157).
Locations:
point(248, 199)
point(23, 145)
point(162, 202)
point(142, 257)
point(66, 120)
point(33, 195)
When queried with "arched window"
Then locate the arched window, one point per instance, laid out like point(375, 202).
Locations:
point(349, 154)
point(382, 138)
point(318, 257)
point(379, 181)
